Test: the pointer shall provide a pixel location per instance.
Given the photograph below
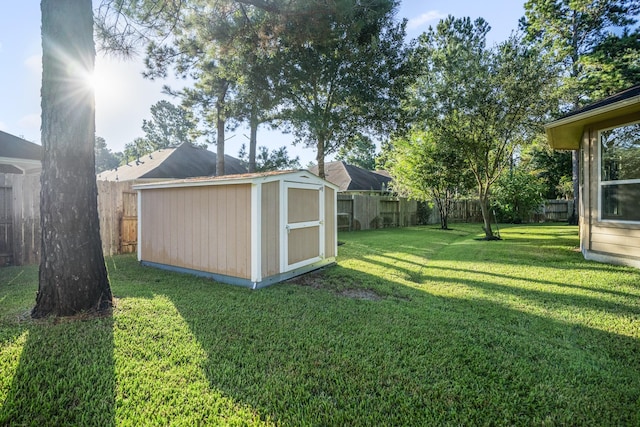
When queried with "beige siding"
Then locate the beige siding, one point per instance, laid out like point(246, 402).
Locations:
point(614, 238)
point(202, 228)
point(304, 205)
point(330, 222)
point(270, 229)
point(304, 243)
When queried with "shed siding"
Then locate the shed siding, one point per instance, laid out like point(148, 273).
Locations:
point(609, 237)
point(330, 222)
point(304, 243)
point(212, 222)
point(270, 229)
point(304, 205)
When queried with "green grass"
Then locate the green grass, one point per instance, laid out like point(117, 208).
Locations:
point(413, 327)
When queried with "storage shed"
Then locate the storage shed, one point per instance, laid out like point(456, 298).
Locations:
point(251, 230)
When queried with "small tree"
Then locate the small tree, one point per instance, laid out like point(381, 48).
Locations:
point(481, 102)
point(427, 171)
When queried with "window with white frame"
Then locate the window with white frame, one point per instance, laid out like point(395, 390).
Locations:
point(619, 186)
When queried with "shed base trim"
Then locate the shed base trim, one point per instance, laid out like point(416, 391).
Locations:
point(611, 259)
point(238, 281)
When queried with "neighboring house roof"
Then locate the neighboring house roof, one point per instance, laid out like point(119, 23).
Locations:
point(566, 132)
point(181, 162)
point(18, 155)
point(352, 178)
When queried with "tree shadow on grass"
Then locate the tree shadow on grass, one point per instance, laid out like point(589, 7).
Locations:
point(65, 375)
point(310, 356)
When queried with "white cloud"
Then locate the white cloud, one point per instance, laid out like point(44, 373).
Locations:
point(425, 18)
point(30, 122)
point(3, 126)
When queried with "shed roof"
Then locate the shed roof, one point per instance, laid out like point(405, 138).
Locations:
point(184, 161)
point(566, 132)
point(18, 155)
point(245, 178)
point(353, 178)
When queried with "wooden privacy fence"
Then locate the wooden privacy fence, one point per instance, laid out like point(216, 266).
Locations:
point(20, 218)
point(364, 212)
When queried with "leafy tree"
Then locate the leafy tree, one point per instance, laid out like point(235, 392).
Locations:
point(169, 126)
point(105, 158)
point(338, 84)
point(360, 151)
point(570, 30)
point(613, 65)
point(481, 102)
point(551, 167)
point(333, 63)
point(136, 149)
point(427, 170)
point(270, 160)
point(73, 275)
point(517, 195)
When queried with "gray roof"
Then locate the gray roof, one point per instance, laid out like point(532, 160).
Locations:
point(18, 155)
point(620, 96)
point(353, 178)
point(182, 162)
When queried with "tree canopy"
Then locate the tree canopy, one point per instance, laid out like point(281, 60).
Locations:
point(325, 70)
point(482, 102)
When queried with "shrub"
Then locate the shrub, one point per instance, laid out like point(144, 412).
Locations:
point(517, 195)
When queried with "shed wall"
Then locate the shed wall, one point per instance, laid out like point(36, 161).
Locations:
point(607, 237)
point(199, 228)
point(270, 222)
point(330, 218)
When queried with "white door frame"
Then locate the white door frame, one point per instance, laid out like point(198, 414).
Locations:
point(286, 227)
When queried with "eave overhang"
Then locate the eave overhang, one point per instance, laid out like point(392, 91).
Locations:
point(566, 133)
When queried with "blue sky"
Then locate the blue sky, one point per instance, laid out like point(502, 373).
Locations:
point(124, 97)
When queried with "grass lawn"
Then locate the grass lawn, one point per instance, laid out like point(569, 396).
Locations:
point(413, 327)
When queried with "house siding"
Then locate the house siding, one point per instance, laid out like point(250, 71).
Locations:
point(621, 240)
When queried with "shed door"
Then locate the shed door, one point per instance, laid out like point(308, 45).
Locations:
point(304, 225)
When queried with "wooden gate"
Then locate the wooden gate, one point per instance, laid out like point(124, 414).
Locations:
point(6, 226)
point(304, 236)
point(129, 223)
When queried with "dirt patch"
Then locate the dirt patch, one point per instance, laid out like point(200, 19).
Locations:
point(313, 280)
point(318, 281)
point(364, 294)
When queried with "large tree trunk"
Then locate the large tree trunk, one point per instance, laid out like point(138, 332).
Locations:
point(73, 276)
point(575, 176)
point(220, 146)
point(253, 138)
point(320, 157)
point(220, 124)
